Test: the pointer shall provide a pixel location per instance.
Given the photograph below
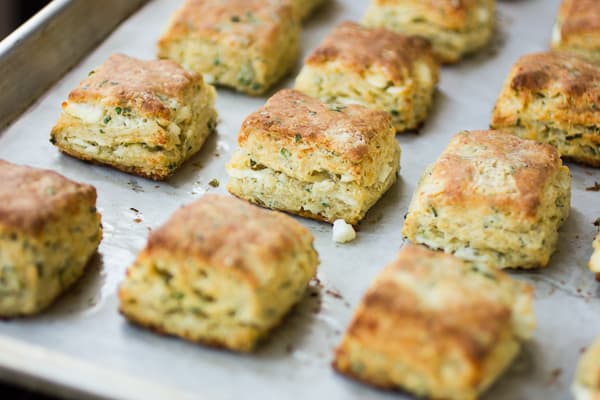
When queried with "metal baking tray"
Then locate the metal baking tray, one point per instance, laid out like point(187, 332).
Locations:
point(81, 347)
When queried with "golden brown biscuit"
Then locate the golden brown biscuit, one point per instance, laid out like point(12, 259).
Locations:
point(49, 229)
point(322, 161)
point(493, 198)
point(577, 28)
point(376, 68)
point(142, 117)
point(437, 326)
point(455, 27)
point(552, 98)
point(221, 272)
point(248, 45)
point(587, 377)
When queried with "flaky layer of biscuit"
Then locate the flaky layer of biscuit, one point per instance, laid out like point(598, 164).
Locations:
point(577, 28)
point(436, 326)
point(586, 385)
point(494, 198)
point(49, 229)
point(117, 131)
point(248, 45)
point(454, 28)
point(326, 199)
point(375, 68)
point(550, 98)
point(221, 272)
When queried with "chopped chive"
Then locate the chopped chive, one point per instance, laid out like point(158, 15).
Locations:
point(285, 153)
point(337, 107)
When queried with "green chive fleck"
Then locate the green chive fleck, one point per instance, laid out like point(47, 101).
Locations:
point(337, 107)
point(285, 153)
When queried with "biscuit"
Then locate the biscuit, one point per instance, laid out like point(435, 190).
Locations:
point(49, 229)
point(595, 260)
point(305, 8)
point(493, 198)
point(437, 326)
point(552, 98)
point(376, 68)
point(321, 161)
point(141, 117)
point(586, 385)
point(577, 28)
point(220, 272)
point(455, 27)
point(248, 45)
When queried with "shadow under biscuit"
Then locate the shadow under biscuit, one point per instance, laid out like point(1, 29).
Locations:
point(194, 166)
point(298, 324)
point(387, 206)
point(567, 270)
point(492, 49)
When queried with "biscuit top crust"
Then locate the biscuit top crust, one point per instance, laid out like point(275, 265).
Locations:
point(148, 87)
point(579, 17)
point(226, 232)
point(557, 73)
point(455, 302)
point(588, 370)
point(492, 169)
point(568, 84)
point(362, 49)
point(295, 117)
point(239, 23)
point(453, 14)
point(30, 198)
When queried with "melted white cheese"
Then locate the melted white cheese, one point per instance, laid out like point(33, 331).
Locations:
point(343, 232)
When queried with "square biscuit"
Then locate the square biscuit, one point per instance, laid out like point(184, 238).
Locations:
point(595, 259)
point(220, 272)
point(247, 45)
point(455, 27)
point(375, 68)
point(586, 384)
point(321, 161)
point(141, 117)
point(552, 98)
point(577, 28)
point(437, 326)
point(493, 198)
point(49, 229)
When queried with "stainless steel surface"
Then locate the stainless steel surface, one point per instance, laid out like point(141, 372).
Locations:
point(83, 343)
point(38, 53)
